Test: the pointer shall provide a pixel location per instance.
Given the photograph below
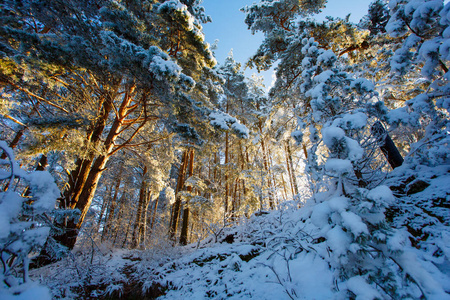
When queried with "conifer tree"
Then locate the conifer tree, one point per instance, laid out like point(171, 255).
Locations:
point(118, 68)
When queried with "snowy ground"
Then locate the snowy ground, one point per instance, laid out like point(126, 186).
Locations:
point(320, 251)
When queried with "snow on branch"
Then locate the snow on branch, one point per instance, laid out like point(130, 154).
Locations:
point(224, 121)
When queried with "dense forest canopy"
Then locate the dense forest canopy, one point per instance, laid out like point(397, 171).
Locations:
point(134, 165)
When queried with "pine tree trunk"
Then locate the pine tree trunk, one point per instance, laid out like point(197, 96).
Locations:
point(155, 208)
point(105, 204)
point(387, 146)
point(227, 192)
point(140, 215)
point(112, 206)
point(127, 231)
point(284, 186)
point(78, 177)
point(177, 205)
point(293, 178)
point(288, 165)
point(83, 195)
point(144, 223)
point(185, 225)
point(118, 223)
point(15, 141)
point(266, 168)
point(272, 176)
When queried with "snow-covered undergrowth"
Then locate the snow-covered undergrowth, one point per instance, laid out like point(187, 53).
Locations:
point(331, 248)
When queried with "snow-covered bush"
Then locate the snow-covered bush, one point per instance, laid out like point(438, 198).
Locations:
point(24, 225)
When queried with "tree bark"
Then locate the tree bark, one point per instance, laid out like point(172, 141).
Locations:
point(111, 208)
point(155, 208)
point(288, 165)
point(386, 145)
point(293, 178)
point(78, 177)
point(118, 222)
point(177, 205)
point(266, 168)
point(82, 195)
point(185, 224)
point(105, 204)
point(140, 222)
point(15, 141)
point(227, 192)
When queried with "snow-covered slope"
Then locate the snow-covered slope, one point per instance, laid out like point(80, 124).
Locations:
point(328, 249)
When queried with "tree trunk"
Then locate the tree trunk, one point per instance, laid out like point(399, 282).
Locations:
point(144, 223)
point(387, 146)
point(177, 205)
point(15, 141)
point(111, 208)
point(140, 215)
point(78, 177)
point(266, 168)
point(118, 222)
point(185, 225)
point(288, 165)
point(227, 192)
point(105, 204)
point(155, 208)
point(272, 175)
point(84, 193)
point(127, 231)
point(284, 187)
point(293, 178)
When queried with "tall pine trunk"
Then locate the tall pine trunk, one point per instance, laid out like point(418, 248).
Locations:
point(141, 219)
point(177, 205)
point(111, 208)
point(290, 165)
point(185, 224)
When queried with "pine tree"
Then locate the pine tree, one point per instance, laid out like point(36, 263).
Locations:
point(118, 68)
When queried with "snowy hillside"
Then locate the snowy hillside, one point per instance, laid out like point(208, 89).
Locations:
point(320, 251)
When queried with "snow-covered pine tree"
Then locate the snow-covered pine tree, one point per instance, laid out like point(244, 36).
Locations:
point(24, 225)
point(377, 17)
point(423, 29)
point(128, 64)
point(347, 211)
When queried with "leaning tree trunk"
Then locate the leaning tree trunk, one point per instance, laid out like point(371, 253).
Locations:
point(78, 177)
point(387, 146)
point(85, 180)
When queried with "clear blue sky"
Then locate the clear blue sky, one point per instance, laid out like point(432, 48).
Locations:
point(229, 28)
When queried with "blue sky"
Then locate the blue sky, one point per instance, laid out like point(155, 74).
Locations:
point(229, 28)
